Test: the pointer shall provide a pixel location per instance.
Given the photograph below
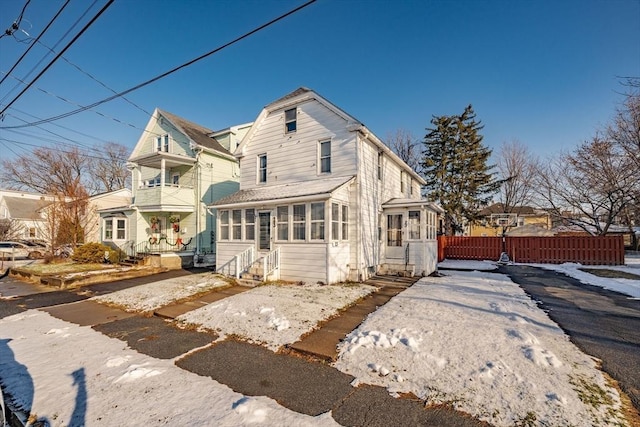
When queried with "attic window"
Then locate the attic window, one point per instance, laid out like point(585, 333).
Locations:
point(290, 120)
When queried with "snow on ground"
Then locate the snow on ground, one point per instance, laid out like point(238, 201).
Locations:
point(463, 264)
point(476, 340)
point(473, 339)
point(72, 375)
point(275, 315)
point(157, 294)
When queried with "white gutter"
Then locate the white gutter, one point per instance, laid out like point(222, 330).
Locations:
point(271, 202)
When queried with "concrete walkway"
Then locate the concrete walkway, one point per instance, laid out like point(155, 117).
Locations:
point(300, 384)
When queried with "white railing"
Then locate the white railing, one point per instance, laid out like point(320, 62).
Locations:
point(239, 263)
point(271, 263)
point(244, 260)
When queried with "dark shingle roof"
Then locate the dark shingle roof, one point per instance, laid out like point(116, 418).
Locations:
point(198, 134)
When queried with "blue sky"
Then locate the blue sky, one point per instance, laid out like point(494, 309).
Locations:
point(542, 72)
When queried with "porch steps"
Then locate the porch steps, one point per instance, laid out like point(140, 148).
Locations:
point(397, 269)
point(253, 276)
point(133, 260)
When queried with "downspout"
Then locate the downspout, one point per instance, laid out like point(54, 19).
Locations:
point(197, 186)
point(358, 210)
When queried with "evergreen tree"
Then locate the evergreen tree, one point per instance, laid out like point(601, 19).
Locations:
point(456, 170)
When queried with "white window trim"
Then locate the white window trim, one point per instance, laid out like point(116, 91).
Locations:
point(320, 158)
point(114, 229)
point(259, 169)
point(286, 122)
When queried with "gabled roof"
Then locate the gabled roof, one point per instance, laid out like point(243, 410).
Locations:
point(303, 94)
point(22, 208)
point(197, 133)
point(275, 193)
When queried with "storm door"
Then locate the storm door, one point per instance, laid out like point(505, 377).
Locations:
point(264, 240)
point(394, 236)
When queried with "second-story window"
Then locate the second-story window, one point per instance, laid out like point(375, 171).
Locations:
point(162, 143)
point(290, 120)
point(262, 168)
point(325, 156)
point(402, 182)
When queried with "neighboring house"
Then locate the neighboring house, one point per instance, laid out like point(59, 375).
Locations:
point(322, 199)
point(178, 168)
point(495, 219)
point(107, 200)
point(23, 210)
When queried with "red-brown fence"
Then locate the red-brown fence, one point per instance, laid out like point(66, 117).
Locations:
point(587, 250)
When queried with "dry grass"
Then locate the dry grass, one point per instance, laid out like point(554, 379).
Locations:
point(63, 268)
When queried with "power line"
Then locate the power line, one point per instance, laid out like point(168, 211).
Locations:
point(35, 40)
point(84, 152)
point(16, 24)
point(165, 74)
point(81, 17)
point(77, 36)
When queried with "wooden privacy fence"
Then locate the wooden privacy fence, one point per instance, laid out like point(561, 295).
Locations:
point(586, 250)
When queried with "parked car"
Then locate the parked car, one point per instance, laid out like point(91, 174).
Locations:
point(19, 250)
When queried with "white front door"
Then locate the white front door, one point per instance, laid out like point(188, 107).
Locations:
point(395, 241)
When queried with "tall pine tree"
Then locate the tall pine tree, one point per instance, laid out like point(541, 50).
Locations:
point(456, 170)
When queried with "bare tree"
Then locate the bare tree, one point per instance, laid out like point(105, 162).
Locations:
point(45, 170)
point(108, 171)
point(10, 229)
point(517, 167)
point(625, 129)
point(405, 145)
point(589, 188)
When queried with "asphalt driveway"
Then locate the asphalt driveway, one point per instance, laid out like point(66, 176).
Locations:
point(602, 323)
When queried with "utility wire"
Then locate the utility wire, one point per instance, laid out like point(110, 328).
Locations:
point(16, 24)
point(104, 8)
point(35, 41)
point(81, 17)
point(173, 70)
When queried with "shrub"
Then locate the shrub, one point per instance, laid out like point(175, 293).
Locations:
point(95, 253)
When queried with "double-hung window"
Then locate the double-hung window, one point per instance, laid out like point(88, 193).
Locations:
point(108, 229)
point(282, 222)
point(345, 222)
point(325, 156)
point(402, 184)
point(162, 143)
point(249, 224)
point(236, 219)
point(121, 229)
point(299, 222)
point(224, 225)
point(317, 221)
point(262, 168)
point(335, 221)
point(414, 225)
point(290, 120)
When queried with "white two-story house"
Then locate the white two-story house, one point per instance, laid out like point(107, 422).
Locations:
point(322, 199)
point(178, 168)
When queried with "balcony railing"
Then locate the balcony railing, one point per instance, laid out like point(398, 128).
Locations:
point(167, 195)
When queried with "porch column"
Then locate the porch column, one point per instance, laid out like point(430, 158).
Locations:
point(162, 166)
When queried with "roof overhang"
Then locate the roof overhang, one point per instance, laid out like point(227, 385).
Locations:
point(410, 203)
point(171, 160)
point(166, 208)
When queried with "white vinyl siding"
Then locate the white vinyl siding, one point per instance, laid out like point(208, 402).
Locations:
point(294, 158)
